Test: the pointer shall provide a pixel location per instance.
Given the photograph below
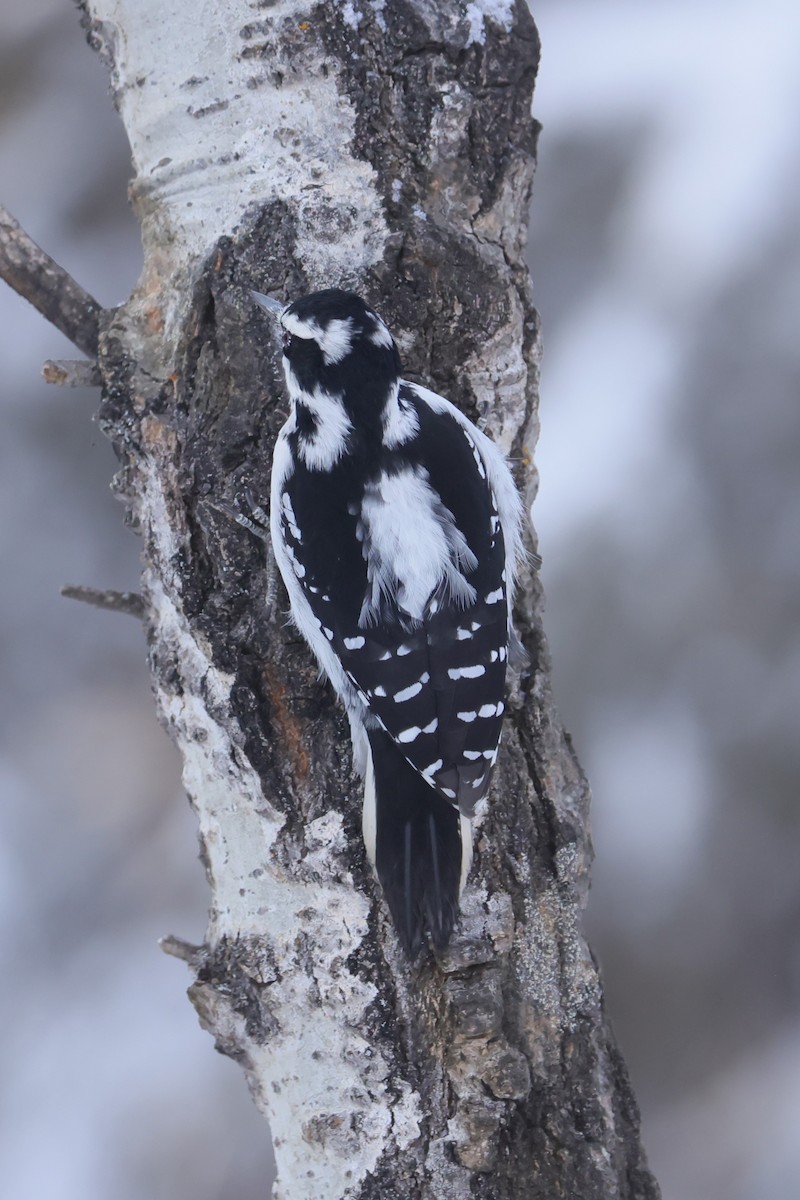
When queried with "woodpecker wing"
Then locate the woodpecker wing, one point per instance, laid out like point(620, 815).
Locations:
point(408, 588)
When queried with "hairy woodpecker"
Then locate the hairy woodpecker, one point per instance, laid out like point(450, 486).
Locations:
point(395, 524)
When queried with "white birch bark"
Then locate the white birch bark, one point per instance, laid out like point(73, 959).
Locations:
point(366, 144)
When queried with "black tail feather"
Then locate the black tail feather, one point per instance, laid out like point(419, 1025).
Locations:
point(417, 849)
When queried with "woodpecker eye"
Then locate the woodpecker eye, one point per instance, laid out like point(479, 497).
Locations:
point(287, 341)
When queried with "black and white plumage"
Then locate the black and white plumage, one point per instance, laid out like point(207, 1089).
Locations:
point(395, 524)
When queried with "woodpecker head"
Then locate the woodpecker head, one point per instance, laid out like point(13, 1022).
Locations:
point(334, 340)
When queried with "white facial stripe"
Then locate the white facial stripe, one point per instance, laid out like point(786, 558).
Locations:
point(307, 330)
point(323, 448)
point(334, 339)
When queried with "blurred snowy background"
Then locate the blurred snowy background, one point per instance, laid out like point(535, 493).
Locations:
point(666, 256)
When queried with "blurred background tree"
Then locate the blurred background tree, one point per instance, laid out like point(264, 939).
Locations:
point(665, 253)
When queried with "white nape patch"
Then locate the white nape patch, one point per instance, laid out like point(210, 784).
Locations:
point(495, 597)
point(335, 339)
point(354, 643)
point(488, 710)
point(412, 545)
point(400, 420)
point(463, 634)
point(322, 449)
point(414, 690)
point(380, 335)
point(466, 672)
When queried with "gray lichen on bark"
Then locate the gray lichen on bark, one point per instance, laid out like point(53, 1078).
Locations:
point(389, 148)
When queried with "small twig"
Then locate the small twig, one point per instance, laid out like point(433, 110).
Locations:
point(123, 602)
point(67, 372)
point(187, 952)
point(48, 287)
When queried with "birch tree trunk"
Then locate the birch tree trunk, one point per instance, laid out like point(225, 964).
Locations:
point(388, 148)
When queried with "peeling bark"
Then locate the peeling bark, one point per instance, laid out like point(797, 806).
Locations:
point(387, 147)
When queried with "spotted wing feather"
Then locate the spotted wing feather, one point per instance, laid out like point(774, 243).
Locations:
point(434, 681)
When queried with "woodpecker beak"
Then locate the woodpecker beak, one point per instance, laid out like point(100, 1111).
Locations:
point(273, 307)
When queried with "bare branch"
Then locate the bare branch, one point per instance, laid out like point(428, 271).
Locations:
point(67, 372)
point(123, 602)
point(187, 952)
point(47, 286)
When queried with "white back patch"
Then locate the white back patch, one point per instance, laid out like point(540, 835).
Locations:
point(411, 544)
